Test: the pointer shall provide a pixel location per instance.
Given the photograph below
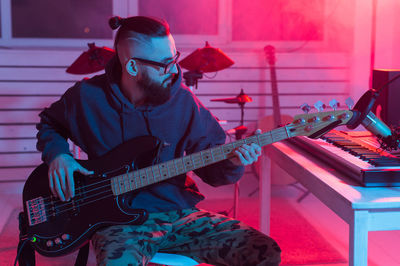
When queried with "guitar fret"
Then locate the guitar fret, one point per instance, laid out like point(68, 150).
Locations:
point(142, 177)
point(238, 143)
point(217, 154)
point(187, 163)
point(201, 157)
point(114, 186)
point(171, 168)
point(149, 175)
point(136, 177)
point(119, 189)
point(197, 160)
point(119, 186)
point(252, 139)
point(126, 183)
point(228, 148)
point(180, 169)
point(123, 184)
point(207, 157)
point(156, 173)
point(131, 181)
point(145, 177)
point(279, 134)
point(163, 171)
point(265, 138)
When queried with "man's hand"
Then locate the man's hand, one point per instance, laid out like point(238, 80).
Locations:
point(247, 154)
point(61, 176)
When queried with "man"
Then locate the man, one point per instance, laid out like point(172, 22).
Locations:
point(141, 94)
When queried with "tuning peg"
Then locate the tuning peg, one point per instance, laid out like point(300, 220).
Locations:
point(349, 102)
point(320, 106)
point(305, 107)
point(334, 104)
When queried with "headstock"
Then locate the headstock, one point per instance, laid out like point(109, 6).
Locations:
point(270, 54)
point(315, 125)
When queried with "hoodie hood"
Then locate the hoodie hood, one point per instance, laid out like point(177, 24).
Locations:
point(113, 73)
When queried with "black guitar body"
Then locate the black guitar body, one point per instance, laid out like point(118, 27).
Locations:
point(57, 228)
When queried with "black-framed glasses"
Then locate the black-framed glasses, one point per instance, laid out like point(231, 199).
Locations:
point(167, 67)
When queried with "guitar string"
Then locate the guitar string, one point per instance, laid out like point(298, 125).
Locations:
point(108, 181)
point(108, 185)
point(70, 206)
point(82, 189)
point(101, 187)
point(85, 200)
point(83, 204)
point(97, 188)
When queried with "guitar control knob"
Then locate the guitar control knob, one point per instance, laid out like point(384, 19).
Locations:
point(66, 237)
point(49, 243)
point(58, 241)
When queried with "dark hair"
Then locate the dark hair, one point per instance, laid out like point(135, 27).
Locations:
point(149, 26)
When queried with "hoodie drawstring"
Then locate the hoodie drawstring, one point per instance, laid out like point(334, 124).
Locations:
point(145, 116)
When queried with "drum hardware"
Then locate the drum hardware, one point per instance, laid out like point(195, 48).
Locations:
point(241, 99)
point(203, 60)
point(92, 60)
point(191, 78)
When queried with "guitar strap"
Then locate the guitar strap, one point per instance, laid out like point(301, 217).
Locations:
point(26, 252)
point(83, 255)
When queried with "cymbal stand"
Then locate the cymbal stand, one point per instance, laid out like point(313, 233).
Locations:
point(239, 132)
point(191, 78)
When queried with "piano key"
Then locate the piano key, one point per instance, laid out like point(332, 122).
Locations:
point(359, 157)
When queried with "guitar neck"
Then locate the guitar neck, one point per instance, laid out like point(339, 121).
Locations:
point(153, 174)
point(275, 96)
point(270, 55)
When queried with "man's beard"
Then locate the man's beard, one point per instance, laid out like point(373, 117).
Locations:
point(154, 94)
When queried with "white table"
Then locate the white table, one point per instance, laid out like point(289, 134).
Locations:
point(364, 209)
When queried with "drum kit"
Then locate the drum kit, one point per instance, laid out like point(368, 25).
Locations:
point(203, 60)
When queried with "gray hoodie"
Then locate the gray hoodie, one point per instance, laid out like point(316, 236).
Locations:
point(97, 117)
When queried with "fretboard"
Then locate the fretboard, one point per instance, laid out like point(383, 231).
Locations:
point(153, 174)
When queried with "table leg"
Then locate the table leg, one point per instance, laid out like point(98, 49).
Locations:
point(265, 193)
point(236, 200)
point(358, 241)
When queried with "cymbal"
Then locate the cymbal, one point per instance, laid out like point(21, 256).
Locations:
point(242, 98)
point(93, 60)
point(206, 59)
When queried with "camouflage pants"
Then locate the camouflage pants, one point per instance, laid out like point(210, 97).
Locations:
point(204, 236)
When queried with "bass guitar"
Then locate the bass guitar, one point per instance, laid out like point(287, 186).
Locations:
point(58, 228)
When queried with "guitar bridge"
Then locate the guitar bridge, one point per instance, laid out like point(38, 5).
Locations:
point(36, 211)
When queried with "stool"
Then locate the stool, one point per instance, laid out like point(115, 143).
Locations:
point(173, 260)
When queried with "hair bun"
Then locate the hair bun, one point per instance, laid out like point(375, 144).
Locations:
point(115, 22)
